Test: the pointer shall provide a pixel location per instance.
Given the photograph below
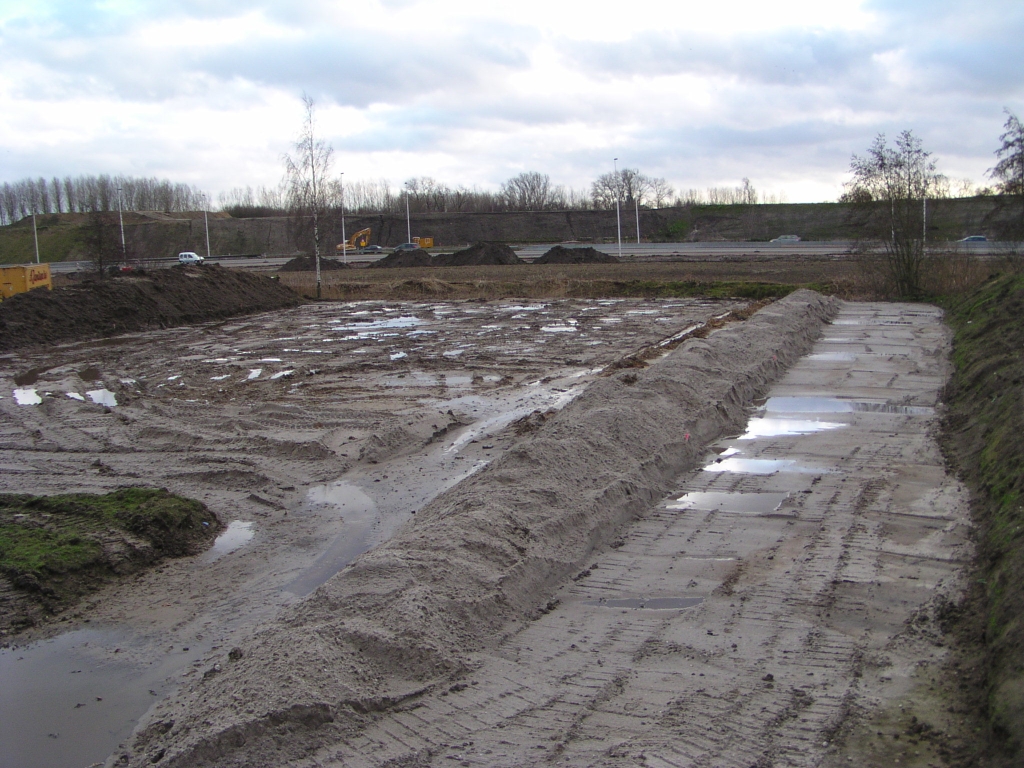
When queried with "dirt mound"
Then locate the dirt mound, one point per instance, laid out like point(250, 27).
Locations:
point(158, 299)
point(562, 255)
point(308, 264)
point(480, 559)
point(417, 258)
point(479, 254)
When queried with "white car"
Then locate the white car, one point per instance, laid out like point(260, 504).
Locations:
point(188, 257)
point(787, 239)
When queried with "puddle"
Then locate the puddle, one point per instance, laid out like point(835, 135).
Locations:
point(833, 357)
point(28, 378)
point(254, 373)
point(836, 405)
point(220, 378)
point(758, 466)
point(359, 514)
point(558, 329)
point(238, 534)
point(406, 321)
point(75, 396)
point(743, 503)
point(102, 397)
point(27, 396)
point(398, 355)
point(649, 604)
point(68, 702)
point(768, 427)
point(281, 374)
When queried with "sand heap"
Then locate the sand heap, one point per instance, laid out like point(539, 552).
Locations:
point(142, 300)
point(479, 254)
point(478, 561)
point(562, 255)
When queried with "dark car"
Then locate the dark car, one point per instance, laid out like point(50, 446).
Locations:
point(407, 247)
point(371, 249)
point(975, 239)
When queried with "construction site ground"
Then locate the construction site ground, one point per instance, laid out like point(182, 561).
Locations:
point(781, 605)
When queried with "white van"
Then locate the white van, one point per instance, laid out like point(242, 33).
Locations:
point(188, 257)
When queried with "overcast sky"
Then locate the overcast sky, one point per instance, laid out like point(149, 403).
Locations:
point(472, 92)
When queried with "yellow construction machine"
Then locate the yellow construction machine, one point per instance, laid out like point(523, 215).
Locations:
point(360, 239)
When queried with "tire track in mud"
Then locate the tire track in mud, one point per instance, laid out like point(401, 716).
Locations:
point(478, 561)
point(804, 616)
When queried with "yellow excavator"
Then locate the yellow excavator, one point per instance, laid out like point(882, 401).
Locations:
point(360, 239)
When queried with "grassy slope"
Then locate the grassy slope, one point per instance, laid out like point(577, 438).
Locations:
point(984, 436)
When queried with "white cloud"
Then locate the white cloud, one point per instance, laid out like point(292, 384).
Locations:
point(208, 93)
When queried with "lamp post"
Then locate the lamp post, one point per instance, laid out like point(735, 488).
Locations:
point(618, 213)
point(344, 242)
point(35, 236)
point(408, 221)
point(206, 221)
point(636, 202)
point(120, 218)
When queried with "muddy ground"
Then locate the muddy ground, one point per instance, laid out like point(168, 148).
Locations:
point(316, 431)
point(585, 598)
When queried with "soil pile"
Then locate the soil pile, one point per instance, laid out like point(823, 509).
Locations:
point(417, 258)
point(54, 549)
point(984, 434)
point(308, 264)
point(562, 255)
point(479, 560)
point(479, 254)
point(143, 300)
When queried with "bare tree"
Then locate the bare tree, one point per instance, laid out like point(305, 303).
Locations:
point(529, 191)
point(308, 187)
point(1010, 168)
point(900, 178)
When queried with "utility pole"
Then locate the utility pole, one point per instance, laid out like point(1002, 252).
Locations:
point(206, 220)
point(35, 235)
point(636, 202)
point(344, 242)
point(618, 213)
point(408, 221)
point(120, 218)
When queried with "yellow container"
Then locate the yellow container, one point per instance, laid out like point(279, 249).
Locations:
point(24, 278)
point(424, 242)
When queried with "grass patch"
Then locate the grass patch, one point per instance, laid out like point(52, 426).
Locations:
point(54, 549)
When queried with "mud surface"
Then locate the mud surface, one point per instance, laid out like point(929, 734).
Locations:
point(308, 264)
point(405, 259)
point(138, 301)
point(479, 254)
point(411, 617)
point(313, 433)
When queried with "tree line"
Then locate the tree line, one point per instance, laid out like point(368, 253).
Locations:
point(95, 194)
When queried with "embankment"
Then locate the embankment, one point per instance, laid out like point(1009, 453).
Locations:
point(479, 561)
point(984, 438)
point(138, 301)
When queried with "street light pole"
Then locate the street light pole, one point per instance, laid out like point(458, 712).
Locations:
point(344, 242)
point(408, 221)
point(35, 235)
point(206, 220)
point(636, 201)
point(120, 218)
point(618, 213)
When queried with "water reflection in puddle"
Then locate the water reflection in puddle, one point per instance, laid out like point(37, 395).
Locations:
point(102, 397)
point(833, 357)
point(649, 604)
point(27, 396)
point(743, 503)
point(758, 466)
point(359, 513)
point(768, 427)
point(837, 405)
point(238, 533)
point(68, 702)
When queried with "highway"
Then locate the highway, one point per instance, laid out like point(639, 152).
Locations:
point(630, 252)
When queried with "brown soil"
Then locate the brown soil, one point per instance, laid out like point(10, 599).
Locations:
point(142, 300)
point(308, 264)
point(417, 258)
point(477, 255)
point(562, 255)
